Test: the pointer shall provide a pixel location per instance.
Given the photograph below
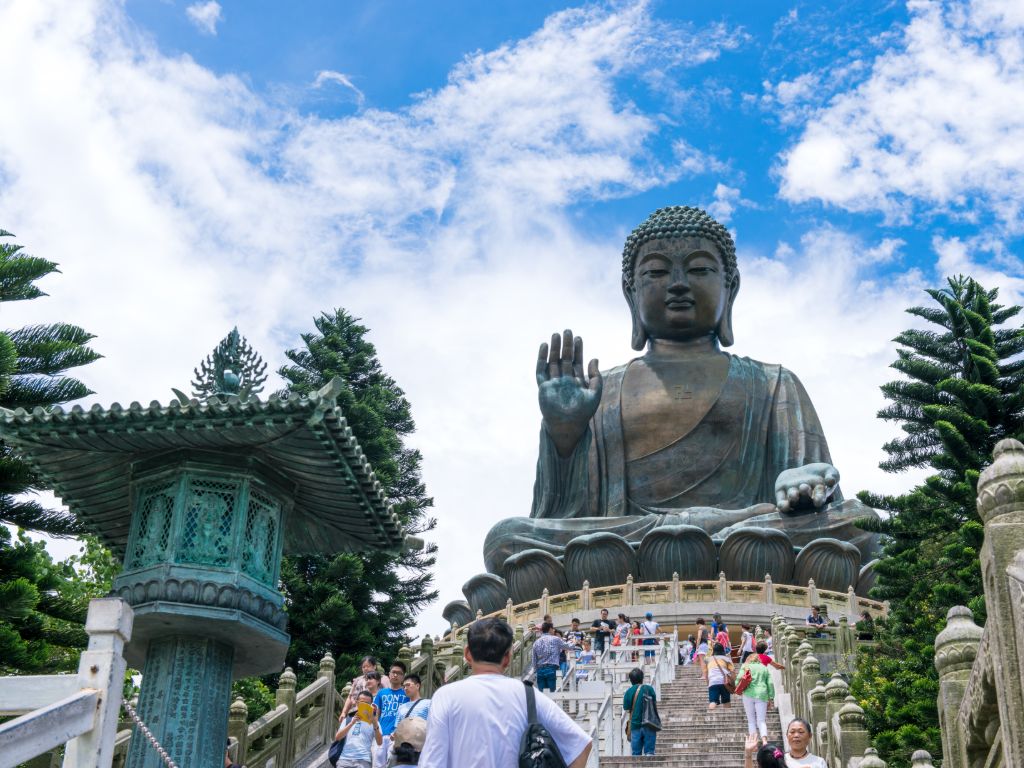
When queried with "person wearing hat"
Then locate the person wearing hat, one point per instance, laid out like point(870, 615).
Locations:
point(407, 742)
point(649, 630)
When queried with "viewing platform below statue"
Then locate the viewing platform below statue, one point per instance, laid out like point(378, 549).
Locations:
point(678, 602)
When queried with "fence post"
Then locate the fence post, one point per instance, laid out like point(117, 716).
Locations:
point(102, 666)
point(327, 667)
point(853, 731)
point(545, 607)
point(723, 587)
point(238, 728)
point(427, 678)
point(585, 595)
point(630, 591)
point(286, 695)
point(675, 586)
point(508, 611)
point(956, 649)
point(812, 593)
point(922, 758)
point(769, 591)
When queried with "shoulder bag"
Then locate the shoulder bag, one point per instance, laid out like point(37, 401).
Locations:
point(730, 677)
point(538, 748)
point(744, 682)
point(649, 717)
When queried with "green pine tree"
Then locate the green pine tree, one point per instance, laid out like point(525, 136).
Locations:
point(33, 362)
point(963, 391)
point(42, 603)
point(353, 605)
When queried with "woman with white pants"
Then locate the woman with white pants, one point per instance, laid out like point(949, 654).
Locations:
point(758, 694)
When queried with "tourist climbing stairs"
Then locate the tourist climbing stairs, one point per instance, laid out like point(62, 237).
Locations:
point(693, 736)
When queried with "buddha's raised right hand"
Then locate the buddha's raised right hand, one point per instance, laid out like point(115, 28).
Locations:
point(568, 399)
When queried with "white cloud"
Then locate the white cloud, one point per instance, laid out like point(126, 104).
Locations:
point(326, 76)
point(205, 16)
point(938, 123)
point(726, 200)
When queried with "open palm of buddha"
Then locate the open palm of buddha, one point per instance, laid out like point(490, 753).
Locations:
point(685, 460)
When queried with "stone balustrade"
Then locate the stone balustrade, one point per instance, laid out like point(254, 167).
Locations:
point(680, 602)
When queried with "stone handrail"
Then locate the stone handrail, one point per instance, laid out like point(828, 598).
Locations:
point(79, 710)
point(981, 671)
point(687, 596)
point(813, 686)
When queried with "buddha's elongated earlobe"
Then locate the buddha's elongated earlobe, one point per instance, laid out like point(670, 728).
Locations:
point(724, 329)
point(639, 340)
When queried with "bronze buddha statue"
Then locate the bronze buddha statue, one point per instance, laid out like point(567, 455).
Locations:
point(686, 459)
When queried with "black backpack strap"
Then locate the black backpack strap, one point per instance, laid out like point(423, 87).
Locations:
point(531, 704)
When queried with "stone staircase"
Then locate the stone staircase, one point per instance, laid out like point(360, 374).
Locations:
point(694, 737)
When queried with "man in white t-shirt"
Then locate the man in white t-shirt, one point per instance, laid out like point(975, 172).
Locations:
point(480, 721)
point(649, 629)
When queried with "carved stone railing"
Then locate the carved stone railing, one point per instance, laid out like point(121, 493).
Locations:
point(981, 672)
point(80, 710)
point(820, 694)
point(678, 602)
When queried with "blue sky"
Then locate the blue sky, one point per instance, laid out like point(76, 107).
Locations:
point(462, 176)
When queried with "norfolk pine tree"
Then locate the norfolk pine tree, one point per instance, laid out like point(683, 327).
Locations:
point(41, 610)
point(963, 391)
point(353, 605)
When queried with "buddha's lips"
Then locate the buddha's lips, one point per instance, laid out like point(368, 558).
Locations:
point(680, 304)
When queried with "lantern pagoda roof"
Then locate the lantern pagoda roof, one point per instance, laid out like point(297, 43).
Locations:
point(87, 457)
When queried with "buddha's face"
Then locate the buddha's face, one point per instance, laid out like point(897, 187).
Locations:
point(680, 290)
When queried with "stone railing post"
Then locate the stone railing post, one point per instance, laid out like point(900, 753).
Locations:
point(545, 602)
point(427, 684)
point(853, 731)
point(1015, 579)
point(630, 591)
point(405, 656)
point(723, 587)
point(810, 671)
point(816, 714)
point(675, 586)
point(585, 595)
point(956, 648)
point(836, 691)
point(1001, 507)
point(769, 591)
point(812, 593)
point(238, 728)
point(851, 602)
point(872, 760)
point(921, 759)
point(286, 696)
point(509, 610)
point(330, 725)
point(102, 666)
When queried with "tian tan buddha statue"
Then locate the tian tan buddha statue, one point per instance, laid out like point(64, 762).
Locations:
point(686, 459)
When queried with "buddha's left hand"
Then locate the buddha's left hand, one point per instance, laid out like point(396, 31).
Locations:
point(803, 487)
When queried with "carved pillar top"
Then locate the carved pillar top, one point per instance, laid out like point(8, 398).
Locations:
point(956, 646)
point(1001, 485)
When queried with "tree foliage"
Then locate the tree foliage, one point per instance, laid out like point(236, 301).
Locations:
point(963, 391)
point(42, 603)
point(33, 362)
point(353, 605)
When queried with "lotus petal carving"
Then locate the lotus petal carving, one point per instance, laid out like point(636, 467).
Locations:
point(866, 578)
point(833, 564)
point(485, 592)
point(747, 554)
point(601, 558)
point(458, 612)
point(532, 571)
point(683, 549)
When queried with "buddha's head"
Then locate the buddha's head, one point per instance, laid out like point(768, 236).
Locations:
point(679, 277)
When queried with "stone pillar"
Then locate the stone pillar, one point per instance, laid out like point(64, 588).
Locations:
point(956, 648)
point(769, 591)
point(675, 586)
point(921, 759)
point(836, 691)
point(327, 667)
point(427, 652)
point(187, 690)
point(286, 696)
point(872, 760)
point(812, 593)
point(816, 714)
point(238, 728)
point(723, 587)
point(1001, 507)
point(630, 591)
point(853, 731)
point(810, 670)
point(509, 611)
point(851, 603)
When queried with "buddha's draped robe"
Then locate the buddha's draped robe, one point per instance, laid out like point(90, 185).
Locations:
point(718, 476)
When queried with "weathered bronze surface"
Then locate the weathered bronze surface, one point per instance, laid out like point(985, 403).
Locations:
point(685, 434)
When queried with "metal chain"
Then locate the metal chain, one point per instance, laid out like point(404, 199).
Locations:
point(148, 734)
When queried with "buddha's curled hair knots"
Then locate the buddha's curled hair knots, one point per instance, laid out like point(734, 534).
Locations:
point(679, 221)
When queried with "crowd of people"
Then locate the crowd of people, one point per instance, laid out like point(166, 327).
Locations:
point(385, 722)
